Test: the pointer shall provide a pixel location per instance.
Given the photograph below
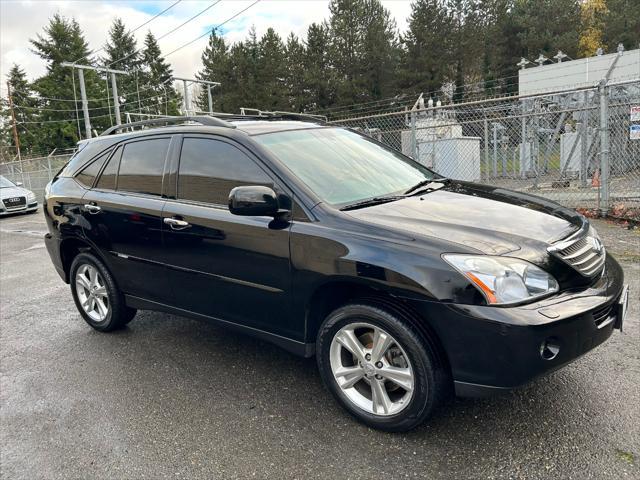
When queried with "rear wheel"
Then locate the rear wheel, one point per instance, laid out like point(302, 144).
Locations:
point(379, 367)
point(96, 294)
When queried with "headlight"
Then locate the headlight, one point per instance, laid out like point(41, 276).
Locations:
point(31, 197)
point(504, 279)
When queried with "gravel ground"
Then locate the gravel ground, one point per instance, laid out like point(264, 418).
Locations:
point(173, 397)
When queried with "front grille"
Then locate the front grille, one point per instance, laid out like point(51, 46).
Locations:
point(603, 316)
point(14, 202)
point(583, 251)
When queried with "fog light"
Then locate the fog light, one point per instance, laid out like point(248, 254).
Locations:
point(549, 348)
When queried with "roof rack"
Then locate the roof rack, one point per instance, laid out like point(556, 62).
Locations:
point(281, 114)
point(201, 119)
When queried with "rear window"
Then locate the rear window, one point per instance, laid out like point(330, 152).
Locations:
point(142, 165)
point(86, 151)
point(89, 173)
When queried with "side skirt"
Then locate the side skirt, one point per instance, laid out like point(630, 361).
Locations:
point(293, 346)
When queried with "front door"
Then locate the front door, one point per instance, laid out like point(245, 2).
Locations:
point(225, 266)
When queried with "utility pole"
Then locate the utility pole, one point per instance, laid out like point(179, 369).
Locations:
point(187, 97)
point(16, 139)
point(83, 92)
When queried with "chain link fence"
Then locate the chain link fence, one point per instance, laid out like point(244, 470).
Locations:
point(34, 173)
point(580, 148)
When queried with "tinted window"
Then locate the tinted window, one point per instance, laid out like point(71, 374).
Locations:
point(90, 172)
point(209, 169)
point(341, 166)
point(141, 166)
point(107, 180)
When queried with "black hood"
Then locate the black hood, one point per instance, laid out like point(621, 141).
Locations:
point(491, 220)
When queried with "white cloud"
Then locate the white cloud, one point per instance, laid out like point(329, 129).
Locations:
point(22, 20)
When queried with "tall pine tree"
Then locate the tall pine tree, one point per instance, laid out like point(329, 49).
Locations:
point(63, 40)
point(25, 107)
point(154, 81)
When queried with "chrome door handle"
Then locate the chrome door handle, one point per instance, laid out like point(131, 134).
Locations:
point(176, 224)
point(92, 208)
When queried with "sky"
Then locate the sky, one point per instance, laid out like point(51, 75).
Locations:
point(21, 20)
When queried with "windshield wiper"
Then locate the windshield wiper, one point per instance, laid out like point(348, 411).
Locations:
point(426, 183)
point(372, 201)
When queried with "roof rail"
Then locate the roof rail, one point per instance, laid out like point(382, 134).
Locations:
point(282, 114)
point(201, 119)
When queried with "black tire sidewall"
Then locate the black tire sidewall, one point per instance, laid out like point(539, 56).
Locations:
point(425, 392)
point(115, 317)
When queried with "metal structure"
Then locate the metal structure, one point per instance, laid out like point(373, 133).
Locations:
point(83, 91)
point(187, 96)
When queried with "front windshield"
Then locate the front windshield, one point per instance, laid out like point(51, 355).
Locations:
point(4, 183)
point(342, 166)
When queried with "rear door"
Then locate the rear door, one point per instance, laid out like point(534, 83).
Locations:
point(123, 214)
point(222, 265)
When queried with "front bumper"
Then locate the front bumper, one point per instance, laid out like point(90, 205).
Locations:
point(30, 207)
point(491, 349)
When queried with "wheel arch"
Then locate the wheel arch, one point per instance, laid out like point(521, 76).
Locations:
point(70, 248)
point(337, 292)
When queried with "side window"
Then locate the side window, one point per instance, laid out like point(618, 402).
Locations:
point(90, 172)
point(107, 180)
point(141, 166)
point(209, 169)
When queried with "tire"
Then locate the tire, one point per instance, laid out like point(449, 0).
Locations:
point(410, 404)
point(92, 284)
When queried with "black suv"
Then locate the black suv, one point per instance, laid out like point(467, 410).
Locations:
point(405, 285)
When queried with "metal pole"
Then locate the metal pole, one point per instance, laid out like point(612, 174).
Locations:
point(603, 91)
point(486, 146)
point(414, 143)
point(584, 139)
point(495, 150)
point(187, 100)
point(16, 138)
point(523, 143)
point(85, 103)
point(116, 102)
point(210, 99)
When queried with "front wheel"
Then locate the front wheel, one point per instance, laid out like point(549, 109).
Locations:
point(379, 367)
point(96, 294)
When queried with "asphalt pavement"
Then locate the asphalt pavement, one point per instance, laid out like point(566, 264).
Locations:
point(170, 397)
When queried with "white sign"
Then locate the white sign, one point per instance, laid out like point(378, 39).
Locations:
point(634, 132)
point(635, 113)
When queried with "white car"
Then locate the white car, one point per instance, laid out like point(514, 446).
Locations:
point(16, 199)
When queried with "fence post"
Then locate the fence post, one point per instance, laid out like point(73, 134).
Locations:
point(603, 204)
point(584, 140)
point(414, 140)
point(487, 164)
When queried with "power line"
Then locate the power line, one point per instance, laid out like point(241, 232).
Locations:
point(140, 26)
point(213, 29)
point(135, 52)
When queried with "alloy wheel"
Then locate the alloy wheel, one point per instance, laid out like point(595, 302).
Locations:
point(372, 369)
point(92, 292)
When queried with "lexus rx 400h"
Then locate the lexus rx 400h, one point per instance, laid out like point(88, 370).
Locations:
point(406, 286)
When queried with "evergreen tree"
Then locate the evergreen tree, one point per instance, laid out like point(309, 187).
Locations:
point(271, 73)
point(622, 24)
point(25, 107)
point(380, 51)
point(426, 57)
point(154, 81)
point(294, 75)
point(215, 62)
point(122, 54)
point(62, 41)
point(319, 75)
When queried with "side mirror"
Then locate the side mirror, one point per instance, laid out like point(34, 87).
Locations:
point(18, 184)
point(254, 201)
